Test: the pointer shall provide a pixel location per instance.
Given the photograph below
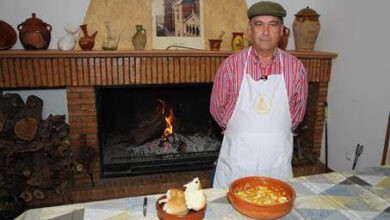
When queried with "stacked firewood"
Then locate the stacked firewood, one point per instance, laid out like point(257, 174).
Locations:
point(35, 153)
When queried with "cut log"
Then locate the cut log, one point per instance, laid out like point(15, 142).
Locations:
point(26, 196)
point(39, 194)
point(45, 127)
point(32, 109)
point(26, 128)
point(88, 157)
point(10, 105)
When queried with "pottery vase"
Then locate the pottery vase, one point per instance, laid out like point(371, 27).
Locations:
point(139, 38)
point(68, 41)
point(283, 41)
point(237, 41)
point(86, 42)
point(306, 27)
point(109, 43)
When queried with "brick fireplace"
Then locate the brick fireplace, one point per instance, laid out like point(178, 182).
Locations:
point(80, 72)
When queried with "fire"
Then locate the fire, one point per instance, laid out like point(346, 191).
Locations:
point(168, 124)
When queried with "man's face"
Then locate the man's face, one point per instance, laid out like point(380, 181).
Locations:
point(265, 32)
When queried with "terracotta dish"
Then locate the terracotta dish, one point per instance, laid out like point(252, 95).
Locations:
point(8, 36)
point(191, 215)
point(261, 211)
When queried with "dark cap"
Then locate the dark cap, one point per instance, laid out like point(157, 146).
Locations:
point(266, 8)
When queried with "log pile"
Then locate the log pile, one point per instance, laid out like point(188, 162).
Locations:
point(35, 153)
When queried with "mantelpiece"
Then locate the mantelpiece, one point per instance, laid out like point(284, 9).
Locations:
point(80, 71)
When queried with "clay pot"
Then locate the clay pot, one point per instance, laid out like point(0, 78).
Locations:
point(34, 34)
point(282, 43)
point(86, 42)
point(215, 44)
point(306, 27)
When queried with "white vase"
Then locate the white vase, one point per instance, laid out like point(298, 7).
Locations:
point(68, 41)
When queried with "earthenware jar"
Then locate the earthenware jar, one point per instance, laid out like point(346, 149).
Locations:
point(68, 41)
point(306, 27)
point(237, 41)
point(34, 34)
point(139, 38)
point(283, 41)
point(87, 42)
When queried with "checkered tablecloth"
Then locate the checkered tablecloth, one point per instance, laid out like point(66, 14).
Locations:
point(338, 195)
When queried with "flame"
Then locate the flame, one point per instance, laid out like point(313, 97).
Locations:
point(168, 124)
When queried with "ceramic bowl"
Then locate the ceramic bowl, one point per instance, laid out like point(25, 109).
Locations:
point(191, 215)
point(261, 211)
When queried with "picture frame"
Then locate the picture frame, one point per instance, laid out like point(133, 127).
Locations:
point(177, 24)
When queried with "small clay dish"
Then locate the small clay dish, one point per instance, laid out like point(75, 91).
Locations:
point(191, 215)
point(261, 211)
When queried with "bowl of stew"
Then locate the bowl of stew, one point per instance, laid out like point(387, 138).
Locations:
point(261, 197)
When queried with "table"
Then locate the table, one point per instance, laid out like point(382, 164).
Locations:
point(338, 195)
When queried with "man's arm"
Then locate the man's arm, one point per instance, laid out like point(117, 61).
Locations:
point(300, 97)
point(220, 95)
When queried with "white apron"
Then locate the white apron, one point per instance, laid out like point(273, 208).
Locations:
point(258, 140)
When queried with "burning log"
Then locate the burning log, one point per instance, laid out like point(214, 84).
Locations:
point(142, 134)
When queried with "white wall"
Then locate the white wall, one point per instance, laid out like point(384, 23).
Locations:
point(359, 94)
point(359, 91)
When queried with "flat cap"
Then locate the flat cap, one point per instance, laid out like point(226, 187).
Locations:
point(266, 8)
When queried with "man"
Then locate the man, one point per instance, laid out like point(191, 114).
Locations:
point(258, 98)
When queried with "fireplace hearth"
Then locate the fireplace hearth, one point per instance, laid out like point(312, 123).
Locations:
point(156, 129)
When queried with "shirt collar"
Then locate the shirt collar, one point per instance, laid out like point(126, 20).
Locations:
point(253, 53)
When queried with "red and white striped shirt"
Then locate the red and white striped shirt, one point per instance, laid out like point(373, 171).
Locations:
point(227, 83)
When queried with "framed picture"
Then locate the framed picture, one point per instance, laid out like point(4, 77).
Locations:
point(177, 23)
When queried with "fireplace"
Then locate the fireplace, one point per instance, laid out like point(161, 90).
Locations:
point(84, 73)
point(156, 129)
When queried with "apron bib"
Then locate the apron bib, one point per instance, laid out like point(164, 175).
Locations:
point(258, 140)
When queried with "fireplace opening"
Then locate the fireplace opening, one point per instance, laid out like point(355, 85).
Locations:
point(156, 129)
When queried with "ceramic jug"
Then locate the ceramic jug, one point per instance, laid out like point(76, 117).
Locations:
point(139, 38)
point(237, 41)
point(86, 42)
point(109, 43)
point(68, 41)
point(34, 34)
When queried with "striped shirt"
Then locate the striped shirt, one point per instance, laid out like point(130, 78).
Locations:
point(227, 83)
